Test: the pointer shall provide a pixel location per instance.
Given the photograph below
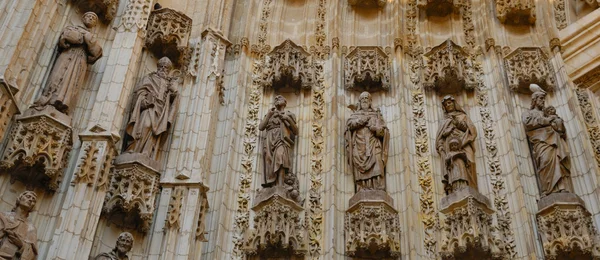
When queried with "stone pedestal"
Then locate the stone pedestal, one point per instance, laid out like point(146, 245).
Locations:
point(566, 228)
point(372, 226)
point(38, 148)
point(277, 231)
point(130, 198)
point(468, 232)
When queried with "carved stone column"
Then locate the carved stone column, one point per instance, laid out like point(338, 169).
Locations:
point(566, 228)
point(180, 222)
point(468, 232)
point(89, 181)
point(372, 226)
point(277, 231)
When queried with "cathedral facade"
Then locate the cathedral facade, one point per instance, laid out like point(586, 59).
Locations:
point(299, 129)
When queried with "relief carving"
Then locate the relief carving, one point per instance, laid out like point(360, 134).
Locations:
point(135, 16)
point(529, 65)
point(438, 7)
point(18, 235)
point(368, 3)
point(289, 65)
point(315, 211)
point(372, 230)
point(367, 68)
point(174, 213)
point(449, 69)
point(122, 247)
point(201, 221)
point(77, 48)
point(591, 120)
point(105, 9)
point(168, 34)
point(546, 133)
point(517, 12)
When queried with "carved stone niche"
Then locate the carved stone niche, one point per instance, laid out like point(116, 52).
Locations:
point(566, 228)
point(130, 198)
point(438, 7)
point(38, 148)
point(516, 12)
point(278, 232)
point(168, 34)
point(367, 3)
point(372, 226)
point(529, 65)
point(105, 9)
point(367, 68)
point(468, 232)
point(449, 69)
point(289, 65)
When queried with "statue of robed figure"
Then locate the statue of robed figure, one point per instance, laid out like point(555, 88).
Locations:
point(18, 237)
point(367, 144)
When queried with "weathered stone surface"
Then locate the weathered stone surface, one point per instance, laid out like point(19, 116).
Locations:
point(38, 148)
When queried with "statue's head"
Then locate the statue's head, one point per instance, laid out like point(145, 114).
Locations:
point(26, 201)
point(90, 19)
point(364, 101)
point(538, 100)
point(454, 144)
point(164, 67)
point(549, 111)
point(124, 243)
point(280, 102)
point(449, 103)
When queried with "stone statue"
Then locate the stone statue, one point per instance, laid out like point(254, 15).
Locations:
point(281, 129)
point(77, 48)
point(546, 134)
point(367, 144)
point(153, 111)
point(122, 247)
point(18, 237)
point(454, 143)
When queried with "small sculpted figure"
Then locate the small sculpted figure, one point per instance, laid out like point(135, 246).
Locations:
point(122, 247)
point(546, 134)
point(18, 237)
point(455, 138)
point(367, 144)
point(278, 143)
point(153, 111)
point(77, 48)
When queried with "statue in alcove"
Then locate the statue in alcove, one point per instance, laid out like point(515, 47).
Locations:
point(77, 48)
point(281, 128)
point(367, 144)
point(153, 111)
point(122, 247)
point(454, 143)
point(18, 237)
point(546, 134)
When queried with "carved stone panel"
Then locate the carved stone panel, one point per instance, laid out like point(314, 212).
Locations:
point(517, 12)
point(372, 226)
point(38, 148)
point(438, 7)
point(105, 9)
point(130, 198)
point(367, 68)
point(367, 3)
point(278, 231)
point(201, 222)
point(168, 34)
point(449, 69)
point(529, 65)
point(566, 228)
point(468, 230)
point(289, 65)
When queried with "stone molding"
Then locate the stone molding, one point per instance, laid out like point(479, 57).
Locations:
point(289, 65)
point(566, 228)
point(529, 65)
point(367, 68)
point(167, 34)
point(38, 148)
point(449, 69)
point(105, 9)
point(278, 231)
point(517, 12)
point(372, 226)
point(367, 3)
point(132, 191)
